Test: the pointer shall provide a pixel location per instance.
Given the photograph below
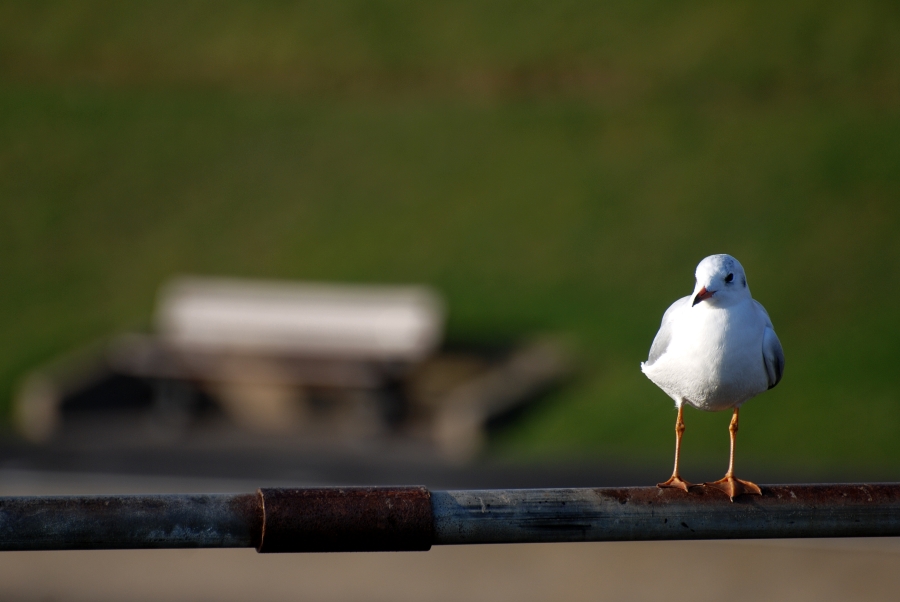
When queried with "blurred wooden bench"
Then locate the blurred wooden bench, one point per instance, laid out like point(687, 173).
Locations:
point(336, 362)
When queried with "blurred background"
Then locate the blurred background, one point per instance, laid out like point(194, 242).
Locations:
point(544, 178)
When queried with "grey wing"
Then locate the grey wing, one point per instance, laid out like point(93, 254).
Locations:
point(664, 336)
point(764, 313)
point(773, 357)
point(773, 354)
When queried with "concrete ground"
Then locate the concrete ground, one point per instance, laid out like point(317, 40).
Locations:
point(797, 570)
point(697, 571)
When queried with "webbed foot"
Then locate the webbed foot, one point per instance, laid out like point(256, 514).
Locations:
point(734, 487)
point(676, 482)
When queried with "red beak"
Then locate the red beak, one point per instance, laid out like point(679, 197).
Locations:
point(701, 295)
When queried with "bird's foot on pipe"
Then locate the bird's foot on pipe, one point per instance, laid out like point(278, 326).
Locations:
point(676, 482)
point(734, 487)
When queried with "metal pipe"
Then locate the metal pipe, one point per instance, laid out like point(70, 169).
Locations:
point(346, 519)
point(129, 521)
point(651, 513)
point(412, 518)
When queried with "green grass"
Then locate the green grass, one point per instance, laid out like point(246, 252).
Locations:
point(547, 167)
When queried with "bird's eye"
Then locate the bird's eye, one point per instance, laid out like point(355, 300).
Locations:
point(729, 277)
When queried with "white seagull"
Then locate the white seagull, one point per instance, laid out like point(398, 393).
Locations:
point(715, 349)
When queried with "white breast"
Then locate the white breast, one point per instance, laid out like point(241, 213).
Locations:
point(714, 360)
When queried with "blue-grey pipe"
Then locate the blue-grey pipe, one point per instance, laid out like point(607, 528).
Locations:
point(650, 513)
point(129, 521)
point(414, 518)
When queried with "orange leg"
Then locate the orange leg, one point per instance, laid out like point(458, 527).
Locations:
point(729, 484)
point(675, 480)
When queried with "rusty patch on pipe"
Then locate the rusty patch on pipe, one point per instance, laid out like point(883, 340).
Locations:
point(249, 507)
point(346, 519)
point(799, 496)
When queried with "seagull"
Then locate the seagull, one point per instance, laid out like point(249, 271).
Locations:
point(715, 349)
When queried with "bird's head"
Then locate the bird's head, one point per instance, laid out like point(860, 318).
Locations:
point(720, 282)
